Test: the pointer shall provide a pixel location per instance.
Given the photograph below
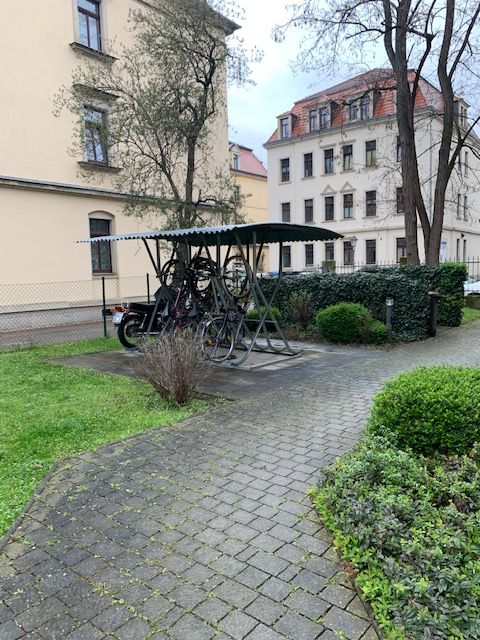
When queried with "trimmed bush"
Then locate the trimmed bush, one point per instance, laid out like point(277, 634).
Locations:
point(254, 314)
point(378, 333)
point(412, 304)
point(345, 322)
point(430, 409)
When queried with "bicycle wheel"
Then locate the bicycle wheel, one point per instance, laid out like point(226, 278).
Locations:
point(218, 339)
point(237, 277)
point(202, 272)
point(174, 274)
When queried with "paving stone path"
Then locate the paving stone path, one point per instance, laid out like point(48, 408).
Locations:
point(204, 530)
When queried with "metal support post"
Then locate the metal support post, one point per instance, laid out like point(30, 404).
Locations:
point(104, 308)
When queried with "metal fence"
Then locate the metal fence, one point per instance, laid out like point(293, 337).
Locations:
point(472, 264)
point(53, 312)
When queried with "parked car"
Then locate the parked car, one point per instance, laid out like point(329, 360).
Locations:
point(471, 286)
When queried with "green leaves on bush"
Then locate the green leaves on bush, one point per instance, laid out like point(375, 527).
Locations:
point(301, 309)
point(412, 305)
point(447, 279)
point(430, 409)
point(345, 322)
point(410, 528)
point(257, 312)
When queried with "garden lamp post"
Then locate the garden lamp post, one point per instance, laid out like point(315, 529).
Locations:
point(389, 303)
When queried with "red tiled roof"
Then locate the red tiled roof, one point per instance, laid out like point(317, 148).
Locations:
point(248, 161)
point(381, 80)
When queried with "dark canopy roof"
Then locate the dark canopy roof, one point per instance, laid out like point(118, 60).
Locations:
point(266, 232)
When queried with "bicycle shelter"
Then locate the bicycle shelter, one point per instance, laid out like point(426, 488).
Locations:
point(244, 243)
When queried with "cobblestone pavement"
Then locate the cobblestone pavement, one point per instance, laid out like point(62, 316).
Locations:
point(203, 530)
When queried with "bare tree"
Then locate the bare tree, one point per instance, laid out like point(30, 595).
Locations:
point(165, 100)
point(418, 37)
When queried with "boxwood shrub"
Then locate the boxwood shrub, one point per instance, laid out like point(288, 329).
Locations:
point(345, 322)
point(430, 409)
point(412, 305)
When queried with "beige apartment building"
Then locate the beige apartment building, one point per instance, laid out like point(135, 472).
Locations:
point(47, 202)
point(334, 160)
point(250, 178)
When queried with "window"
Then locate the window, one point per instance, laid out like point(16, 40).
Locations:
point(328, 160)
point(309, 255)
point(324, 118)
point(347, 157)
point(308, 210)
point(308, 165)
point(400, 203)
point(371, 153)
point(285, 211)
point(399, 150)
point(464, 251)
point(284, 127)
point(371, 203)
point(365, 108)
point(313, 116)
point(348, 205)
point(359, 109)
point(287, 257)
point(236, 193)
point(95, 135)
point(463, 115)
point(329, 251)
point(401, 248)
point(285, 169)
point(458, 249)
point(89, 23)
point(459, 206)
point(101, 251)
point(465, 207)
point(348, 253)
point(466, 163)
point(371, 251)
point(353, 111)
point(236, 162)
point(329, 208)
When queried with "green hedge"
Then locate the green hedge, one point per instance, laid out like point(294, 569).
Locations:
point(411, 311)
point(430, 409)
point(447, 278)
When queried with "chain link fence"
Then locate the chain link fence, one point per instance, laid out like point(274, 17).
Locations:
point(54, 312)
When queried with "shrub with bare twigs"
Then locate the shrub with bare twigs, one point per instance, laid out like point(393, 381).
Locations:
point(174, 365)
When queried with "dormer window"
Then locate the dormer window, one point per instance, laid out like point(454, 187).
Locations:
point(463, 115)
point(360, 109)
point(285, 127)
point(236, 162)
point(313, 118)
point(324, 117)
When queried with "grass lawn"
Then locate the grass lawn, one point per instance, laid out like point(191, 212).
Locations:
point(470, 315)
point(49, 412)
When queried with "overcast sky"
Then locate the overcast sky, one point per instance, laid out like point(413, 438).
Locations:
point(253, 110)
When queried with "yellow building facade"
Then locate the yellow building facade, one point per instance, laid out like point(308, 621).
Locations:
point(250, 178)
point(47, 202)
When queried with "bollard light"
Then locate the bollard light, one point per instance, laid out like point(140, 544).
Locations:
point(390, 302)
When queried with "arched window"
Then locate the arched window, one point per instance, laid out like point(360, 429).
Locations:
point(101, 225)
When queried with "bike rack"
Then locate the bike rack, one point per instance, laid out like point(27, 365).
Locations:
point(245, 240)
